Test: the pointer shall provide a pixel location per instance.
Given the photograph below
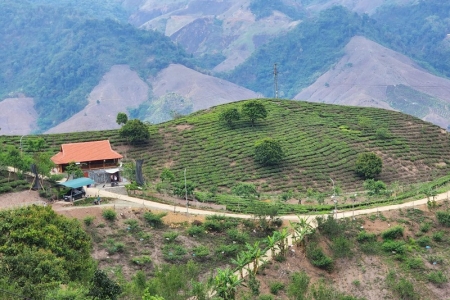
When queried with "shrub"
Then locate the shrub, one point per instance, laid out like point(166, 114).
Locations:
point(154, 220)
point(317, 258)
point(133, 225)
point(415, 263)
point(370, 248)
point(443, 218)
point(173, 252)
point(425, 227)
point(394, 246)
point(438, 236)
point(424, 241)
point(275, 287)
point(114, 247)
point(342, 247)
point(405, 289)
point(200, 251)
point(88, 220)
point(237, 236)
point(109, 214)
point(265, 297)
point(298, 286)
point(141, 260)
point(435, 259)
point(227, 250)
point(365, 237)
point(437, 277)
point(170, 236)
point(213, 225)
point(393, 233)
point(195, 230)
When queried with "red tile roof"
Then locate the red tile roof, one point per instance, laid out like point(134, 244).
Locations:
point(87, 151)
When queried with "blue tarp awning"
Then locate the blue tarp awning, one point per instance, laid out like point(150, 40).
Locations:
point(76, 183)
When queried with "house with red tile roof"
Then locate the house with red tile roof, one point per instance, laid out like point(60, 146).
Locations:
point(89, 155)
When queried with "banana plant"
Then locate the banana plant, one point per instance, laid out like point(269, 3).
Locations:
point(302, 229)
point(226, 284)
point(282, 243)
point(255, 253)
point(272, 241)
point(242, 259)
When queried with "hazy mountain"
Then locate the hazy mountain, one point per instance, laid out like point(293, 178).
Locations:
point(56, 56)
point(122, 90)
point(372, 75)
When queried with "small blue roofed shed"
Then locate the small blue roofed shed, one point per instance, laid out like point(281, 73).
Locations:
point(77, 183)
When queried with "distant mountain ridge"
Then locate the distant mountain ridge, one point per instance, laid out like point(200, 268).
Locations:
point(55, 54)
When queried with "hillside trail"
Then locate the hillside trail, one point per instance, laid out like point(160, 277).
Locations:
point(196, 211)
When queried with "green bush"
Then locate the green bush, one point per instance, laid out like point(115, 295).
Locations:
point(437, 277)
point(298, 286)
point(133, 225)
point(237, 236)
point(195, 231)
point(200, 252)
point(170, 237)
point(438, 236)
point(415, 263)
point(317, 258)
point(365, 237)
point(342, 247)
point(154, 220)
point(213, 225)
point(425, 227)
point(424, 241)
point(88, 220)
point(394, 246)
point(443, 218)
point(275, 287)
point(392, 233)
point(141, 260)
point(265, 297)
point(109, 214)
point(114, 247)
point(227, 250)
point(173, 252)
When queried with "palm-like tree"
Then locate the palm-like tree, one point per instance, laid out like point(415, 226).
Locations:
point(242, 259)
point(255, 253)
point(282, 242)
point(272, 241)
point(226, 284)
point(302, 229)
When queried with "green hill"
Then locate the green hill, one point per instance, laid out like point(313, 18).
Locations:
point(320, 142)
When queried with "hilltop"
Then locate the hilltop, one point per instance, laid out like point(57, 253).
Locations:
point(321, 141)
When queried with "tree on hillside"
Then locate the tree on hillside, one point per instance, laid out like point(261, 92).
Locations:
point(229, 116)
point(245, 190)
point(37, 256)
point(254, 110)
point(74, 169)
point(35, 145)
point(268, 152)
point(122, 118)
point(135, 131)
point(368, 165)
point(375, 187)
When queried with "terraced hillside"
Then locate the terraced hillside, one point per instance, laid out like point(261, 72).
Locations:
point(320, 141)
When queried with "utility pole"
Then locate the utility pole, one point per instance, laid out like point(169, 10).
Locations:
point(275, 80)
point(185, 189)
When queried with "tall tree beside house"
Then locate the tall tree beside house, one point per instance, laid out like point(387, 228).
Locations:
point(74, 169)
point(135, 131)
